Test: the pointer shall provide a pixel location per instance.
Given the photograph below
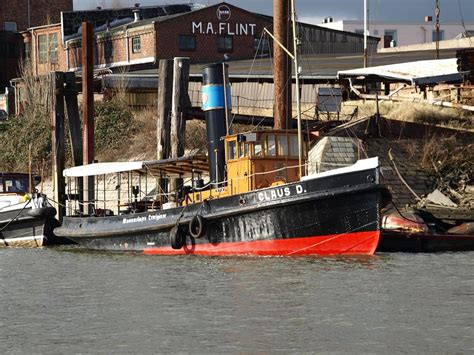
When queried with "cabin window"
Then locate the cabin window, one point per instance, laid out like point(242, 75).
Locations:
point(231, 150)
point(258, 151)
point(294, 146)
point(243, 149)
point(271, 146)
point(282, 145)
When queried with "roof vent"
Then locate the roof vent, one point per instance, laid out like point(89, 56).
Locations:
point(136, 14)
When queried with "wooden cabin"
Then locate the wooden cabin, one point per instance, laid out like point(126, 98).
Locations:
point(256, 160)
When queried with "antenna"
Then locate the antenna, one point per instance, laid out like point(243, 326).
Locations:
point(365, 33)
point(437, 11)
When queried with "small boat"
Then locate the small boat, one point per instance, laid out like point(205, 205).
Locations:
point(427, 231)
point(26, 218)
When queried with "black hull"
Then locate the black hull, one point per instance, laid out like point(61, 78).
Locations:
point(28, 227)
point(331, 215)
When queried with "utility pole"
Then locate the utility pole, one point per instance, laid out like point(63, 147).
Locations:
point(437, 11)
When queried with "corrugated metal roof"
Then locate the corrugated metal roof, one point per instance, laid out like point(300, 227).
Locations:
point(421, 72)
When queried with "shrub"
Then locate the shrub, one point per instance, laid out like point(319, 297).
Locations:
point(114, 123)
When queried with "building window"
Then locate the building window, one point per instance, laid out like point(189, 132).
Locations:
point(10, 26)
point(42, 49)
point(108, 50)
point(28, 51)
point(187, 43)
point(390, 38)
point(136, 45)
point(440, 37)
point(224, 44)
point(53, 47)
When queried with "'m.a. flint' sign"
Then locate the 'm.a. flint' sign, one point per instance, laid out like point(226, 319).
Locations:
point(223, 14)
point(223, 28)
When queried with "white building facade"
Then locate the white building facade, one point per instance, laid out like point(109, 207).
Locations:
point(395, 34)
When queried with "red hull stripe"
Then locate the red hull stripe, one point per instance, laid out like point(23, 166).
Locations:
point(357, 243)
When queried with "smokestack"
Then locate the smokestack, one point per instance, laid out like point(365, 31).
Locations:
point(213, 105)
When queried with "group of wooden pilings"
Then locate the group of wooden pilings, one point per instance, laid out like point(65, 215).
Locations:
point(173, 105)
point(63, 87)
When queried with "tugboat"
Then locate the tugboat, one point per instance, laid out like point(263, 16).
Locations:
point(26, 217)
point(256, 201)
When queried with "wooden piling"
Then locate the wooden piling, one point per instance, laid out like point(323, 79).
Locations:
point(88, 109)
point(179, 105)
point(75, 132)
point(164, 109)
point(57, 141)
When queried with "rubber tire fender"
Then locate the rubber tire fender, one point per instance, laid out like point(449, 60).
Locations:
point(176, 238)
point(197, 226)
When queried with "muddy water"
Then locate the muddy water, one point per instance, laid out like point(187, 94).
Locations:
point(69, 301)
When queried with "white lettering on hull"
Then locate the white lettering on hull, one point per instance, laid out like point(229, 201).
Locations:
point(140, 219)
point(277, 193)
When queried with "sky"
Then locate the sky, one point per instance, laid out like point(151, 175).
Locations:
point(314, 11)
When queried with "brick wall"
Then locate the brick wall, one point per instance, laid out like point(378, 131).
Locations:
point(121, 42)
point(49, 64)
point(167, 34)
point(41, 12)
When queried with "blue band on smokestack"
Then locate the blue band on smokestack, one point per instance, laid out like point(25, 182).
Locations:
point(213, 97)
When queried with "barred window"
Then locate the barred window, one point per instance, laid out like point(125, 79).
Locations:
point(136, 45)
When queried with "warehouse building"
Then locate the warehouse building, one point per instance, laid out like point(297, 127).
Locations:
point(137, 38)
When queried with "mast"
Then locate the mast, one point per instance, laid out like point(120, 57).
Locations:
point(297, 94)
point(282, 66)
point(365, 33)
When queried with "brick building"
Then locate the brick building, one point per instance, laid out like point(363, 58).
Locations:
point(138, 38)
point(18, 15)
